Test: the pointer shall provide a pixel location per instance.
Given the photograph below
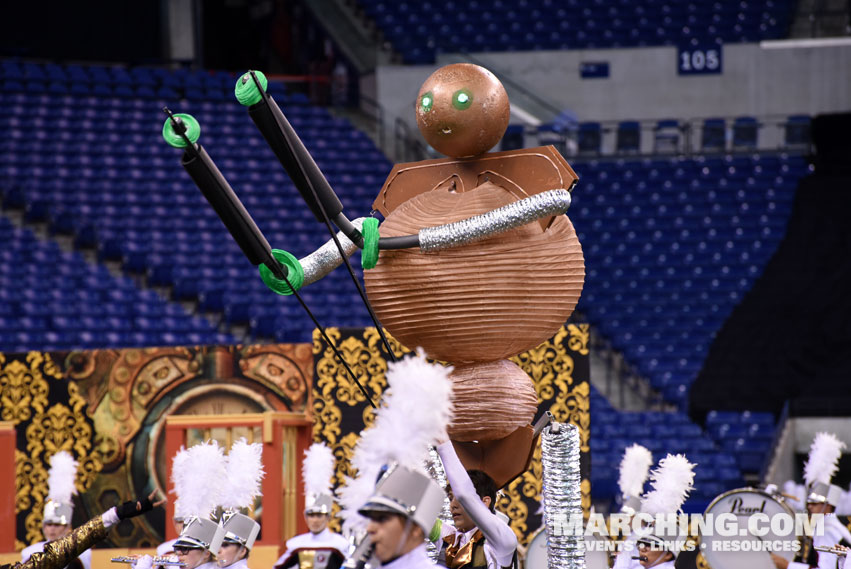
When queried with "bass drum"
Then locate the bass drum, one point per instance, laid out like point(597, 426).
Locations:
point(596, 556)
point(744, 550)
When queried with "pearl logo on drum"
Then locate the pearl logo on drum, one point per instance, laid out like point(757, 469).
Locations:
point(737, 507)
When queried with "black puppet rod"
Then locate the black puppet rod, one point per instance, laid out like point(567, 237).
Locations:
point(183, 131)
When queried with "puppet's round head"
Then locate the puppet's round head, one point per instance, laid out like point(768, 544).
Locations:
point(462, 110)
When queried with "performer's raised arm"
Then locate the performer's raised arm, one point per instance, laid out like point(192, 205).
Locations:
point(473, 497)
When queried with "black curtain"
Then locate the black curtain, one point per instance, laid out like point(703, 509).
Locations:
point(94, 30)
point(790, 338)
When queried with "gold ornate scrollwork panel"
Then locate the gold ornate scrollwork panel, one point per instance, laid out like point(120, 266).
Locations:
point(49, 416)
point(107, 407)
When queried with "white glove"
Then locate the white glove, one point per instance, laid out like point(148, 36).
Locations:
point(144, 562)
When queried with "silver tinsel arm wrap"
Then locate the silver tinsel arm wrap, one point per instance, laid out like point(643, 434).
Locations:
point(327, 258)
point(434, 467)
point(553, 202)
point(562, 496)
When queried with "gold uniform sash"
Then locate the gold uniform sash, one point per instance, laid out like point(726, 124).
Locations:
point(470, 555)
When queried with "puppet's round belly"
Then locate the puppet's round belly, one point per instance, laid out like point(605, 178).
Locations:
point(482, 301)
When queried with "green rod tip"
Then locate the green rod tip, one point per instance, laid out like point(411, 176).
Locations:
point(295, 273)
point(246, 90)
point(369, 255)
point(193, 131)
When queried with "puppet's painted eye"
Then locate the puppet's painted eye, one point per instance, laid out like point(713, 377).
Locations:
point(427, 101)
point(462, 99)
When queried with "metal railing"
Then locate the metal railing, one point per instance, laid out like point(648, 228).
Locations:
point(779, 430)
point(622, 380)
point(402, 142)
point(408, 145)
point(373, 109)
point(672, 137)
point(826, 18)
point(520, 95)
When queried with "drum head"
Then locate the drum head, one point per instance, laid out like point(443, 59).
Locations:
point(536, 554)
point(742, 549)
point(596, 556)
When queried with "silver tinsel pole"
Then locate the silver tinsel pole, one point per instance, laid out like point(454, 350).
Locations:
point(327, 258)
point(553, 202)
point(562, 496)
point(434, 467)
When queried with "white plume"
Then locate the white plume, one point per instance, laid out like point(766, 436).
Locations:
point(199, 475)
point(671, 481)
point(415, 411)
point(798, 491)
point(60, 478)
point(317, 469)
point(634, 468)
point(823, 461)
point(244, 473)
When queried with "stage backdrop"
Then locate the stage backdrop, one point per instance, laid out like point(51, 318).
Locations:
point(559, 369)
point(107, 407)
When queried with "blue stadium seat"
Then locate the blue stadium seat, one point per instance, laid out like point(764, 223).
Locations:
point(797, 131)
point(590, 137)
point(713, 137)
point(745, 131)
point(667, 136)
point(628, 137)
point(418, 34)
point(90, 314)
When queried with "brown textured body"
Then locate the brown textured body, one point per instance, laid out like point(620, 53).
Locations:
point(480, 302)
point(510, 401)
point(524, 173)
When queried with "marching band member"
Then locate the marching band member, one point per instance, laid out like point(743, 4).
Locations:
point(319, 548)
point(59, 507)
point(633, 471)
point(166, 548)
point(240, 533)
point(822, 497)
point(671, 481)
point(401, 513)
point(244, 473)
point(479, 538)
point(60, 552)
point(198, 475)
point(392, 504)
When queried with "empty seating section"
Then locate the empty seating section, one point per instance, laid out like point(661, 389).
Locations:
point(54, 300)
point(671, 246)
point(419, 30)
point(134, 82)
point(612, 431)
point(98, 168)
point(746, 435)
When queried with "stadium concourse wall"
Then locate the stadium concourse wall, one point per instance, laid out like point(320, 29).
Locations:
point(777, 78)
point(795, 443)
